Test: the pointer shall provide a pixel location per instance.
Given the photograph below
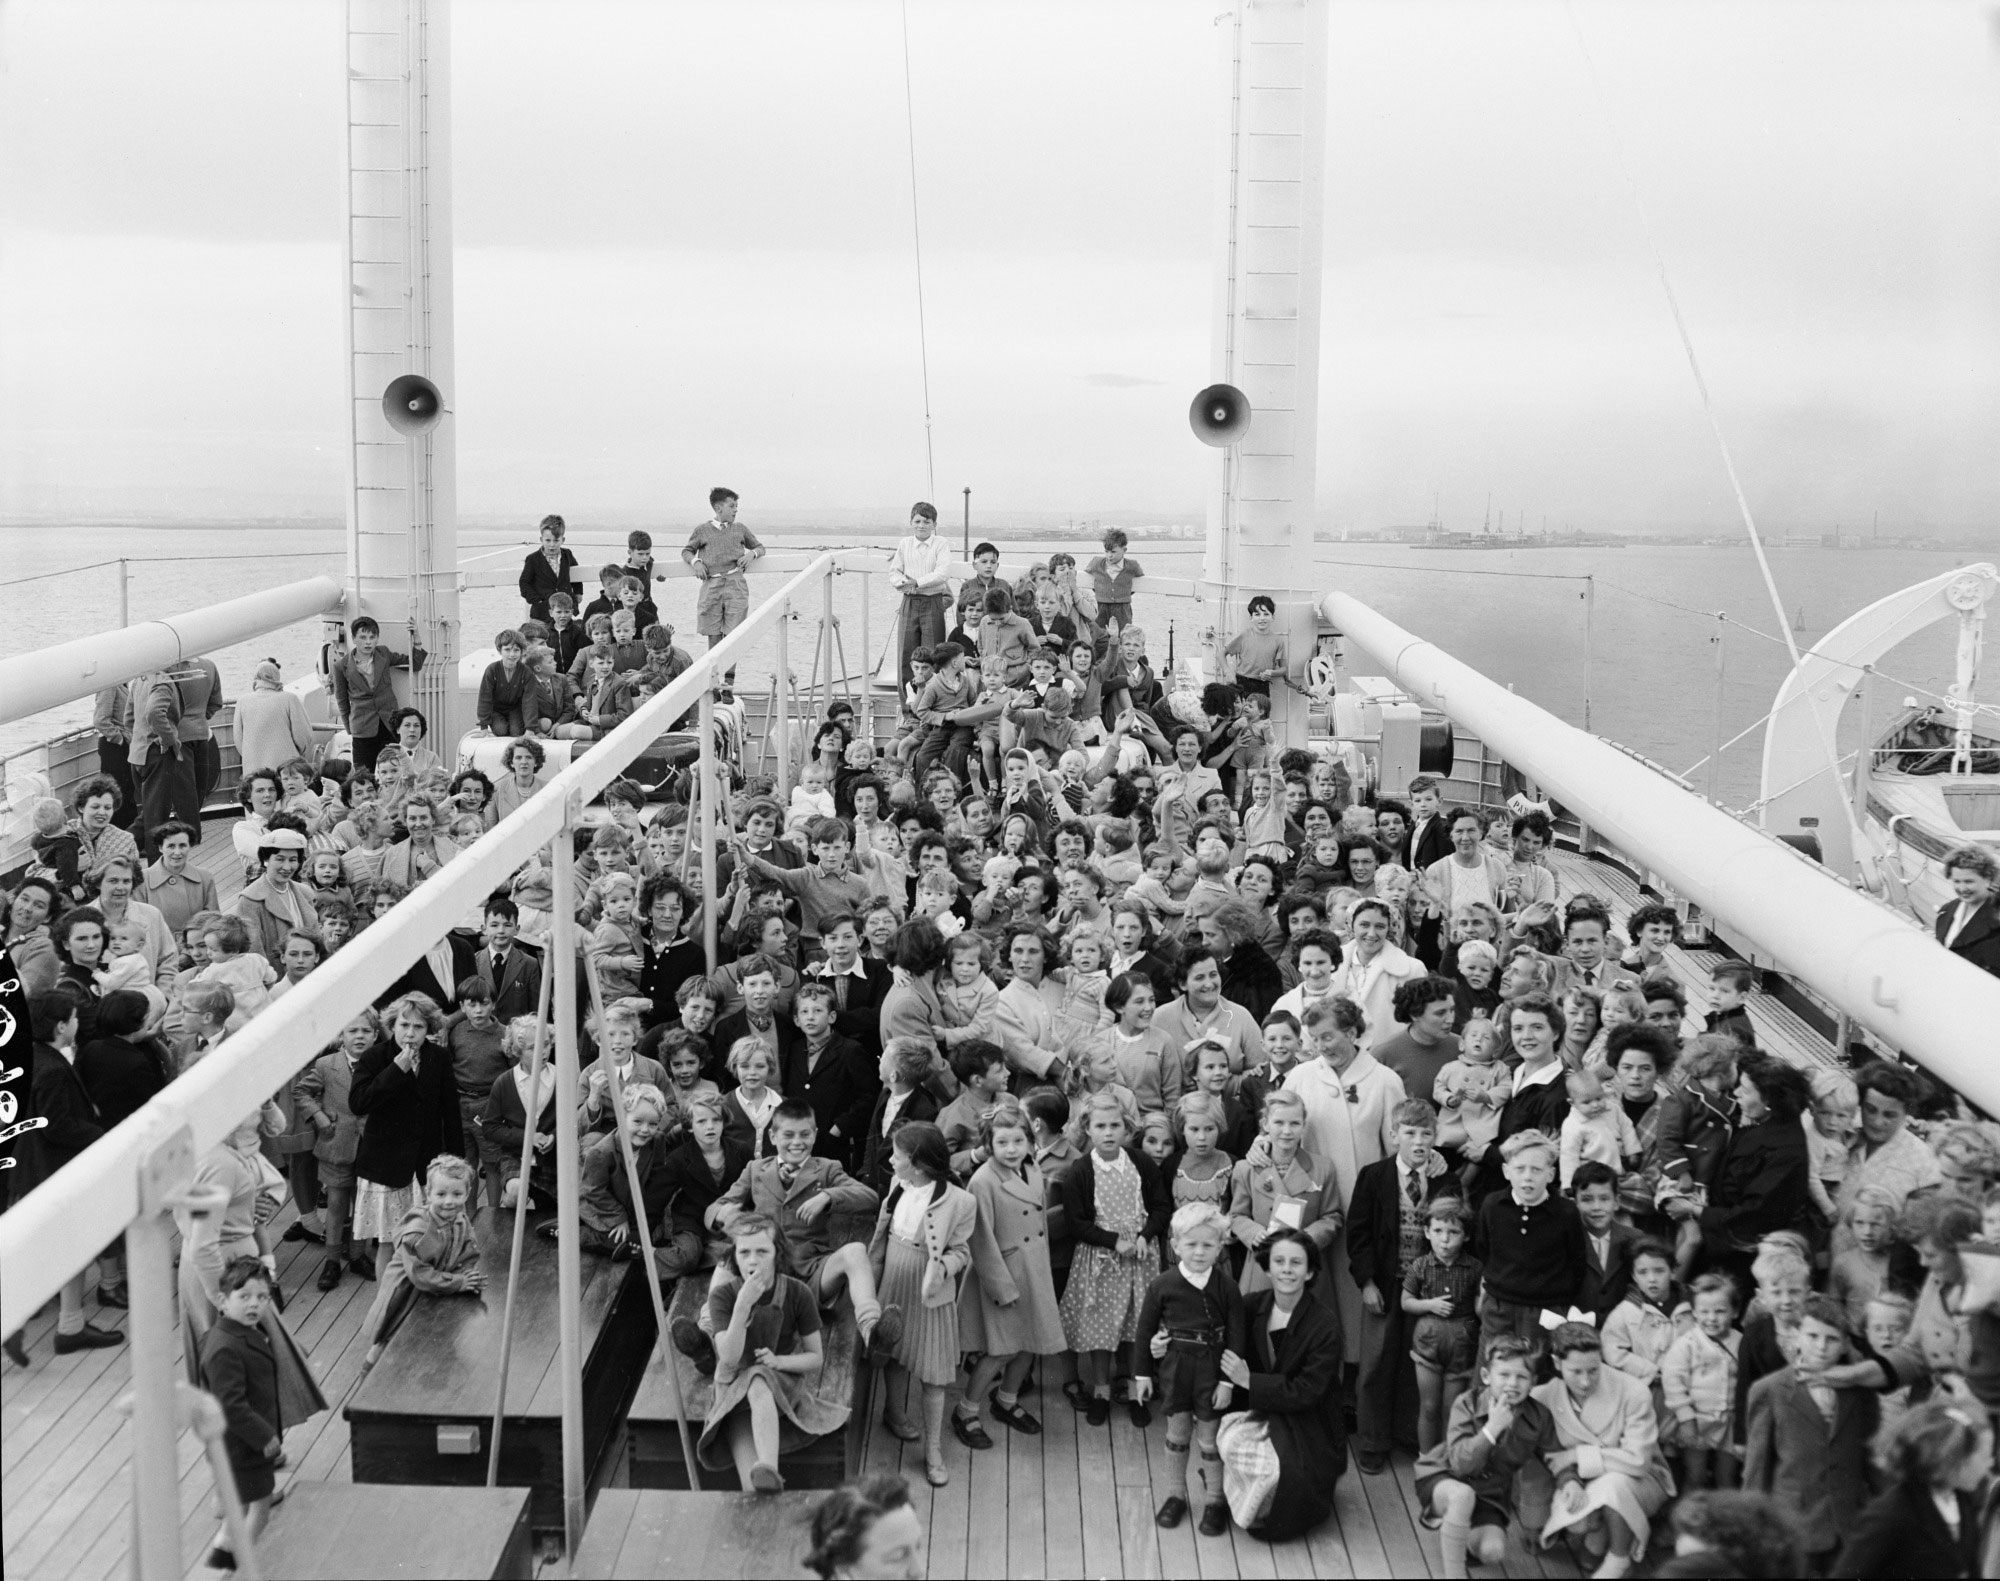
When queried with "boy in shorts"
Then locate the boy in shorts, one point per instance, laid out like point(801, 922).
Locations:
point(1491, 1465)
point(1441, 1293)
point(719, 549)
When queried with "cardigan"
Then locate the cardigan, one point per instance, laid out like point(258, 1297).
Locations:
point(1079, 1199)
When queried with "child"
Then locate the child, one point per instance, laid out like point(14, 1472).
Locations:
point(750, 1105)
point(1531, 1244)
point(1321, 869)
point(436, 1253)
point(1695, 1125)
point(1008, 1312)
point(1643, 1327)
point(1829, 1126)
point(1471, 1091)
point(1495, 1448)
point(1112, 574)
point(966, 1004)
point(248, 976)
point(1608, 1267)
point(1115, 1203)
point(1202, 1172)
point(910, 728)
point(1890, 1316)
point(326, 878)
point(1192, 1315)
point(921, 1249)
point(1257, 656)
point(1698, 1385)
point(125, 964)
point(512, 1113)
point(616, 945)
point(319, 1097)
point(475, 1039)
point(1730, 985)
point(1783, 1277)
point(1808, 1443)
point(1861, 1272)
point(812, 797)
point(1084, 981)
point(1478, 999)
point(58, 849)
point(1596, 1130)
point(982, 1071)
point(1213, 1078)
point(296, 779)
point(684, 1053)
point(1441, 1291)
point(239, 1369)
point(1264, 831)
point(1152, 892)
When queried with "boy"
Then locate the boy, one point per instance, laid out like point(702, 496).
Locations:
point(507, 694)
point(639, 558)
point(1531, 1244)
point(1730, 986)
point(1258, 655)
point(1608, 1274)
point(918, 573)
point(1007, 634)
point(629, 653)
point(363, 689)
point(1054, 1152)
point(949, 692)
point(474, 1037)
point(1586, 936)
point(983, 1073)
point(1441, 1293)
point(239, 1368)
point(910, 728)
point(1808, 1442)
point(719, 549)
point(1053, 725)
point(566, 638)
point(1493, 1461)
point(825, 888)
point(839, 1076)
point(319, 1097)
point(1112, 574)
point(58, 851)
point(1430, 835)
point(985, 574)
point(1386, 1220)
point(801, 1191)
point(610, 578)
point(1196, 1307)
point(513, 976)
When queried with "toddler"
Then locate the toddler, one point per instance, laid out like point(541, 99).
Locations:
point(1203, 1172)
point(1084, 982)
point(1471, 1091)
point(1596, 1129)
point(968, 1001)
point(1151, 890)
point(1264, 820)
point(1320, 871)
point(125, 964)
point(1642, 1328)
point(812, 797)
point(326, 877)
point(1829, 1128)
point(1698, 1384)
point(249, 977)
point(1478, 998)
point(616, 945)
point(58, 850)
point(1441, 1291)
point(1117, 857)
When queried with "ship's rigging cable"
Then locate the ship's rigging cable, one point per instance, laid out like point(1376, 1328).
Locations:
point(917, 245)
point(1862, 849)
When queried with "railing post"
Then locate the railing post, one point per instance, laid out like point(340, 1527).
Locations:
point(826, 643)
point(1715, 719)
point(1589, 640)
point(563, 943)
point(867, 647)
point(124, 593)
point(705, 772)
point(156, 1359)
point(782, 725)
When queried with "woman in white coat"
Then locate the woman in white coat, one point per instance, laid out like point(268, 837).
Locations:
point(1372, 969)
point(1351, 1105)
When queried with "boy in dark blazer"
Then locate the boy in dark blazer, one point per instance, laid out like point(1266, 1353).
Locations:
point(1607, 1272)
point(838, 1076)
point(240, 1369)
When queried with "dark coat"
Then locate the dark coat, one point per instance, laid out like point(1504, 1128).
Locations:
point(920, 1105)
point(1375, 1225)
point(503, 1126)
point(121, 1075)
point(664, 972)
point(517, 991)
point(1251, 979)
point(1762, 1184)
point(420, 979)
point(861, 1021)
point(1979, 940)
point(1543, 1108)
point(240, 1369)
point(406, 1119)
point(1819, 1474)
point(790, 1077)
point(692, 1190)
point(1604, 1287)
point(841, 1088)
point(1901, 1533)
point(1079, 1199)
point(539, 580)
point(1297, 1391)
point(57, 1095)
point(1434, 845)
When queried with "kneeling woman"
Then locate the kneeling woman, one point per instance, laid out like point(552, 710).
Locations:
point(1282, 1456)
point(767, 1358)
point(1611, 1477)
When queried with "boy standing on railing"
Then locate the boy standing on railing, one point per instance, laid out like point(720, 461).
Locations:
point(918, 573)
point(719, 550)
point(364, 690)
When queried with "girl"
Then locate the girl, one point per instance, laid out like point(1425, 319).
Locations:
point(767, 1360)
point(327, 880)
point(684, 1053)
point(1085, 982)
point(1212, 1077)
point(920, 1251)
point(1698, 1385)
point(747, 1110)
point(1613, 1478)
point(1116, 1204)
point(1926, 1522)
point(1143, 1055)
point(968, 1000)
point(436, 1253)
point(1640, 1330)
point(1861, 1272)
point(404, 1092)
point(1203, 1173)
point(1157, 1142)
point(1097, 1071)
point(503, 1122)
point(699, 1006)
point(472, 795)
point(1009, 1312)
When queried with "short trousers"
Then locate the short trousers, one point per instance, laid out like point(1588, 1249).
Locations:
point(335, 1177)
point(721, 605)
point(1189, 1375)
point(1486, 1510)
point(1446, 1345)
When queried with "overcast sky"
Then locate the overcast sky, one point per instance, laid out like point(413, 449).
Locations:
point(684, 256)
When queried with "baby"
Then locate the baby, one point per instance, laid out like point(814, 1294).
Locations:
point(1595, 1129)
point(812, 797)
point(1151, 890)
point(1478, 961)
point(249, 977)
point(1471, 1091)
point(1084, 982)
point(126, 965)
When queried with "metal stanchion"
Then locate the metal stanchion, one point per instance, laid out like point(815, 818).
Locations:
point(563, 944)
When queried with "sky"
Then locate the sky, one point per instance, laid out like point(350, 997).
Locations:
point(684, 256)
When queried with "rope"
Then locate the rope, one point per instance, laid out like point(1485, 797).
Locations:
point(917, 244)
point(1715, 428)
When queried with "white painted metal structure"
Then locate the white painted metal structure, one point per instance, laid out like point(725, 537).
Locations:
point(402, 495)
point(50, 677)
point(1797, 787)
point(1266, 326)
point(1870, 962)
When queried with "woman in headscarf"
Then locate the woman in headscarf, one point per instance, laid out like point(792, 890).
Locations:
point(271, 723)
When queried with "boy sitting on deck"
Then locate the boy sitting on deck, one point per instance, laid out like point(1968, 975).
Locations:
point(800, 1192)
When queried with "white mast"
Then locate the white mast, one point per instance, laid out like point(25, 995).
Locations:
point(402, 498)
point(1266, 336)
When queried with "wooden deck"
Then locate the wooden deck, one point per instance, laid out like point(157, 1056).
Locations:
point(1075, 1501)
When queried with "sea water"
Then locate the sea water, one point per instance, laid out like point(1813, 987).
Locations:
point(1516, 615)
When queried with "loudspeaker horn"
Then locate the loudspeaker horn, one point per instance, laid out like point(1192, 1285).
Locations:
point(412, 404)
point(1220, 415)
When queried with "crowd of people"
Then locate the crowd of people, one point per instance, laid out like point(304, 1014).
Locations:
point(1083, 1037)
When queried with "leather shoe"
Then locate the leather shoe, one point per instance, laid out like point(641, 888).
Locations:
point(362, 1265)
point(299, 1232)
point(88, 1338)
point(1214, 1520)
point(971, 1431)
point(1016, 1418)
point(1098, 1412)
point(1171, 1513)
point(329, 1273)
point(17, 1350)
point(1371, 1464)
point(114, 1296)
point(690, 1340)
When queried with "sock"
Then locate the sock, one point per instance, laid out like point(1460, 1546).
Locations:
point(70, 1322)
point(866, 1316)
point(1002, 1397)
point(1209, 1469)
point(1453, 1536)
point(1177, 1468)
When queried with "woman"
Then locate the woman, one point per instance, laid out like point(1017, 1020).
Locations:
point(1583, 1014)
point(1886, 1153)
point(911, 1008)
point(273, 907)
point(218, 1218)
point(1471, 873)
point(1640, 1057)
point(868, 1530)
point(1373, 969)
point(409, 862)
point(1970, 929)
point(1926, 1521)
point(117, 881)
point(261, 794)
point(1763, 1180)
point(1532, 1025)
point(670, 959)
point(550, 569)
point(1968, 1159)
point(96, 801)
point(407, 1099)
point(525, 760)
point(1611, 1477)
point(1257, 884)
point(1285, 1450)
point(1250, 977)
point(80, 937)
point(271, 723)
point(27, 914)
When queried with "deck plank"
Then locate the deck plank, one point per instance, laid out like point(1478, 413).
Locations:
point(1028, 1486)
point(951, 1505)
point(1395, 1525)
point(1065, 1496)
point(1364, 1550)
point(1179, 1555)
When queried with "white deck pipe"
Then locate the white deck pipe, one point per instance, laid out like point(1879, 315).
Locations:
point(50, 677)
point(1868, 961)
